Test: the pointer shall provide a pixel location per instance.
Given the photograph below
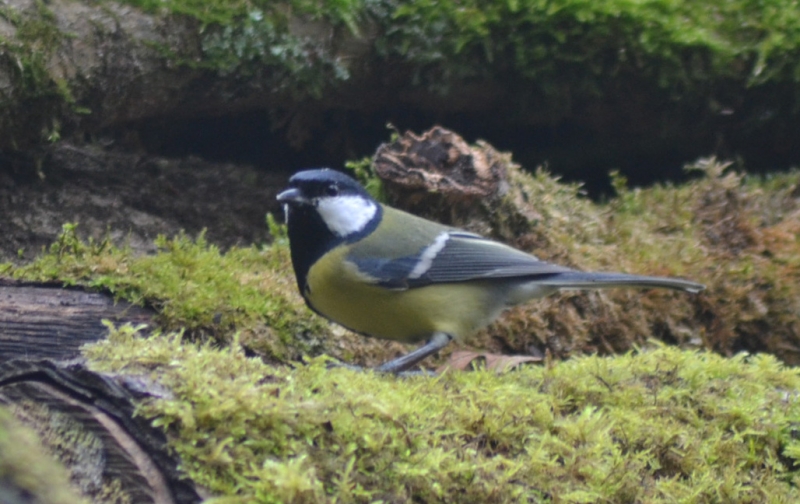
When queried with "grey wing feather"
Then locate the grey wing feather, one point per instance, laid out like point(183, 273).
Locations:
point(468, 257)
point(462, 257)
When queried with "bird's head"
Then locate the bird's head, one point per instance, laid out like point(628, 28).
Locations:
point(346, 209)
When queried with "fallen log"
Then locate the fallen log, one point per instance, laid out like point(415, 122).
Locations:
point(83, 418)
point(46, 320)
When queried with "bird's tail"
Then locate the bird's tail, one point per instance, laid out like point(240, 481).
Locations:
point(589, 280)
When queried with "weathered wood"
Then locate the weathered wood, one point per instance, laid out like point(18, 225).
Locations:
point(39, 320)
point(83, 418)
point(86, 420)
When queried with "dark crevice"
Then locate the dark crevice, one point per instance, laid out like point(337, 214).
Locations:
point(578, 150)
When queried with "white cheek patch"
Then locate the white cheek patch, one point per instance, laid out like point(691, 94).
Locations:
point(428, 255)
point(345, 215)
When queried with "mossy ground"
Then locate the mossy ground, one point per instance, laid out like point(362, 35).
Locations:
point(736, 234)
point(662, 425)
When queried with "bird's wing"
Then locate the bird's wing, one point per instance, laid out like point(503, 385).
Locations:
point(453, 256)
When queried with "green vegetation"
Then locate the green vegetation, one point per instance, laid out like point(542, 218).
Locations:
point(194, 287)
point(677, 45)
point(739, 235)
point(365, 174)
point(566, 49)
point(35, 40)
point(284, 46)
point(562, 51)
point(34, 93)
point(662, 425)
point(27, 473)
point(688, 61)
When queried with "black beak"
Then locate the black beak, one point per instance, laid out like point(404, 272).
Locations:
point(292, 195)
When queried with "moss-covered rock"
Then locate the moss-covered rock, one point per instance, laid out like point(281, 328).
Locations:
point(590, 83)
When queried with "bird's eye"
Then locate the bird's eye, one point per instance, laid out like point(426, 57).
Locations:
point(332, 190)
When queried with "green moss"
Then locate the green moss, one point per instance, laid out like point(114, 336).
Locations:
point(661, 425)
point(677, 46)
point(737, 234)
point(570, 49)
point(36, 99)
point(36, 39)
point(364, 172)
point(193, 286)
point(27, 473)
point(276, 45)
point(256, 45)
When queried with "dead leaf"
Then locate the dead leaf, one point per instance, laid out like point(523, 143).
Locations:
point(464, 360)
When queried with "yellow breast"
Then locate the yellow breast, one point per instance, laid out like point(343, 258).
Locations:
point(339, 291)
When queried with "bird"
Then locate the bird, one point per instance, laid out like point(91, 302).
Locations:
point(388, 274)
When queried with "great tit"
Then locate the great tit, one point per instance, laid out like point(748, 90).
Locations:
point(386, 273)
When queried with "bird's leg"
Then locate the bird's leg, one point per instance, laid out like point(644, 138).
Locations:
point(437, 342)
